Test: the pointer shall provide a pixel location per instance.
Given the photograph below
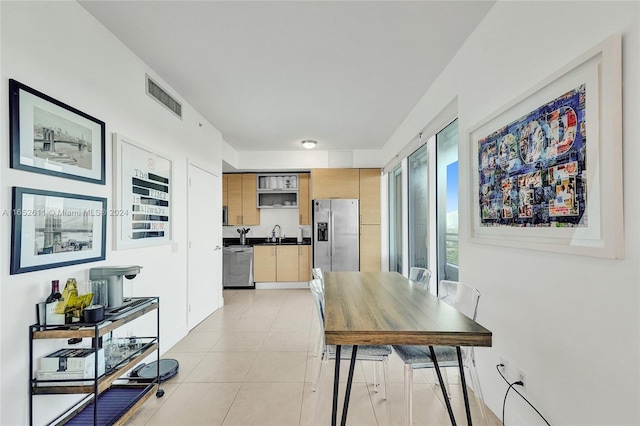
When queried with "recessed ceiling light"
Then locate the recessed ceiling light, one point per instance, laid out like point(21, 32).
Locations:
point(309, 144)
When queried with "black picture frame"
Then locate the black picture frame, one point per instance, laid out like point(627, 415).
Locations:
point(52, 229)
point(50, 137)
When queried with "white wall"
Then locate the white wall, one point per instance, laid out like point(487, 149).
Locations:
point(2, 234)
point(296, 160)
point(229, 155)
point(288, 219)
point(61, 50)
point(570, 322)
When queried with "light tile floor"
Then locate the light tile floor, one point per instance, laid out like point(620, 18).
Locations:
point(251, 363)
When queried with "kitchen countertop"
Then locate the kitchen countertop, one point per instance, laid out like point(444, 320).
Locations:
point(263, 242)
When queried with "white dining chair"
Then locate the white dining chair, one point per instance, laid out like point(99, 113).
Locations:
point(365, 352)
point(420, 276)
point(316, 274)
point(465, 299)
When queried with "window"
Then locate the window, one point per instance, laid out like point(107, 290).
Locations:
point(418, 208)
point(395, 219)
point(447, 202)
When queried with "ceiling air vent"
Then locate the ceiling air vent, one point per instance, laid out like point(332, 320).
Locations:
point(160, 95)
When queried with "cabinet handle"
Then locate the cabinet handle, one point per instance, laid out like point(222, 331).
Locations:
point(239, 220)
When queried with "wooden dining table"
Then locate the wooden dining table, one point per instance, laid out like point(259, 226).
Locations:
point(385, 308)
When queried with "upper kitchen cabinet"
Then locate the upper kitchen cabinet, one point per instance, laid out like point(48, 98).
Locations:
point(370, 196)
point(277, 191)
point(304, 194)
point(241, 199)
point(335, 183)
point(234, 199)
point(250, 213)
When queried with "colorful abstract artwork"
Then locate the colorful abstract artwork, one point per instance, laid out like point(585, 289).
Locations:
point(532, 172)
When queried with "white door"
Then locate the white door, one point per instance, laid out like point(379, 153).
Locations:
point(204, 279)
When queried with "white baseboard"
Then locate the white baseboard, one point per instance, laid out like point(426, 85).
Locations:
point(282, 285)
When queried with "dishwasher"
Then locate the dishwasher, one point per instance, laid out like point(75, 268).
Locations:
point(237, 267)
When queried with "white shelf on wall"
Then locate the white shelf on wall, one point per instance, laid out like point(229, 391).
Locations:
point(277, 191)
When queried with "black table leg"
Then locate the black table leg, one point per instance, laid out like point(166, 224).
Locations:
point(347, 394)
point(444, 389)
point(336, 383)
point(464, 386)
point(336, 386)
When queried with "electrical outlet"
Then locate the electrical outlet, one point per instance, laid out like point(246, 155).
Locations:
point(522, 376)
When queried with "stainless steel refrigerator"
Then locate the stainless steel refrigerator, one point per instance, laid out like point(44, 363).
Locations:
point(335, 235)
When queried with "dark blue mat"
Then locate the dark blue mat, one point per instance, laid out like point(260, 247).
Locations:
point(112, 404)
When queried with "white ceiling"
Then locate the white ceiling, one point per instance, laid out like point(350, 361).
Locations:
point(270, 74)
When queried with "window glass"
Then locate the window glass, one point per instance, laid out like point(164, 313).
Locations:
point(418, 208)
point(447, 201)
point(395, 219)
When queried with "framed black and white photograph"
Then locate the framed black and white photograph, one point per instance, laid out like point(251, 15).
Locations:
point(540, 164)
point(143, 195)
point(54, 229)
point(50, 137)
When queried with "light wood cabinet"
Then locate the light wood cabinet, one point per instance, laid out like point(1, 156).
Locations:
point(304, 200)
point(370, 196)
point(250, 212)
point(335, 183)
point(363, 184)
point(225, 192)
point(370, 248)
point(264, 263)
point(234, 199)
point(304, 263)
point(241, 199)
point(287, 263)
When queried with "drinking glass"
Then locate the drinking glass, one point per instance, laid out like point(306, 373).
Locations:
point(100, 294)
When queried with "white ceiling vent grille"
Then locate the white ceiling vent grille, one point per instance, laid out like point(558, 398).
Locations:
point(160, 95)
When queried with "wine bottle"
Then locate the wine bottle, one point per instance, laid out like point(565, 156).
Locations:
point(55, 292)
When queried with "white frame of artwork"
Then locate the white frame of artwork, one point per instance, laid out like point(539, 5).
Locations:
point(131, 157)
point(600, 69)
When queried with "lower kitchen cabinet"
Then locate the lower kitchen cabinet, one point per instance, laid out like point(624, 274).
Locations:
point(287, 263)
point(304, 263)
point(284, 263)
point(264, 263)
point(370, 248)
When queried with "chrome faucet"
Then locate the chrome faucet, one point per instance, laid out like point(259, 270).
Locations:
point(273, 233)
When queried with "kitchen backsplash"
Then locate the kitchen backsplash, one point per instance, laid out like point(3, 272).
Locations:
point(288, 219)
